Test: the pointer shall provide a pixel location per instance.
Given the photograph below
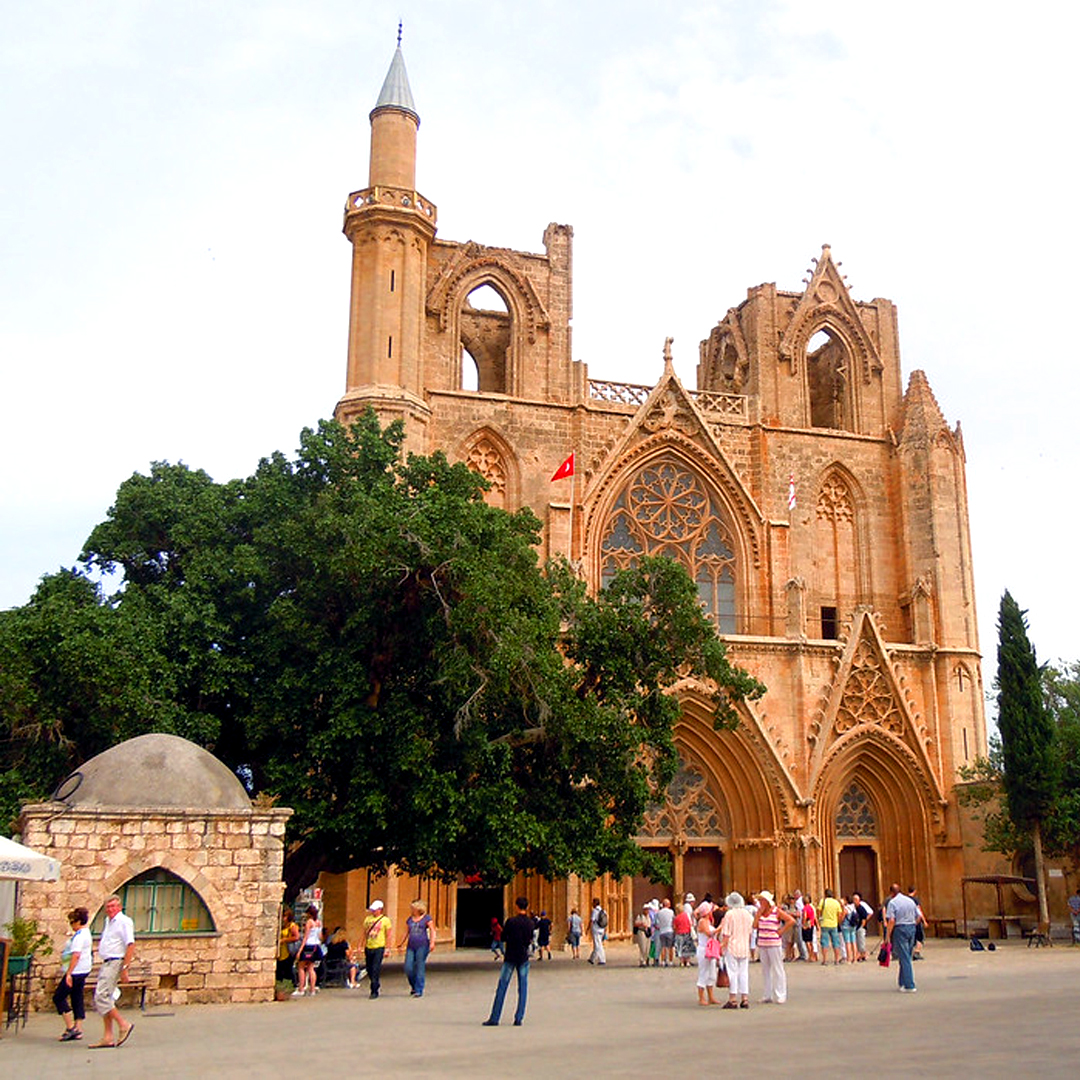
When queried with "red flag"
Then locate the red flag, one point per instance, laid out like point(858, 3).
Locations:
point(565, 469)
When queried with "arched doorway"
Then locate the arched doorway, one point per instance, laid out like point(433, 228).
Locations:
point(856, 841)
point(687, 827)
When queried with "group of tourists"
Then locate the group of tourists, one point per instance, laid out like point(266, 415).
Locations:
point(725, 936)
point(116, 950)
point(721, 937)
point(310, 951)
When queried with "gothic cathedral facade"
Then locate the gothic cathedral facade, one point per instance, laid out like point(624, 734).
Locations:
point(819, 504)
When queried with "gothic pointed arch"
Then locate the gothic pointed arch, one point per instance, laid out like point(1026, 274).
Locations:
point(136, 865)
point(666, 502)
point(866, 705)
point(759, 792)
point(486, 452)
point(669, 430)
point(826, 303)
point(839, 527)
point(472, 267)
point(907, 813)
point(827, 345)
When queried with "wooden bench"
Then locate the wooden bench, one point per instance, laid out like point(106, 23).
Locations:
point(139, 978)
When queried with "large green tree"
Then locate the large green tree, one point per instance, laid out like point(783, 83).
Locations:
point(364, 638)
point(1030, 756)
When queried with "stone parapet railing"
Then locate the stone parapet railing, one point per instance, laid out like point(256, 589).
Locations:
point(731, 406)
point(399, 198)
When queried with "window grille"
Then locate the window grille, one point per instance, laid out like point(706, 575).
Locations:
point(159, 902)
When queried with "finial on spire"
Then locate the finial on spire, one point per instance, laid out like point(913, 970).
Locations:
point(667, 352)
point(399, 33)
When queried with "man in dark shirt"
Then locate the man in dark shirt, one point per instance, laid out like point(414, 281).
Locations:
point(517, 937)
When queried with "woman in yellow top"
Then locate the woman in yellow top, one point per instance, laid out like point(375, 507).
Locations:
point(376, 935)
point(288, 945)
point(830, 912)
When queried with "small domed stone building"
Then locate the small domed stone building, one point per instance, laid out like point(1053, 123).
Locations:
point(166, 826)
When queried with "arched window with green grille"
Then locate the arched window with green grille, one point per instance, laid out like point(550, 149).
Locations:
point(159, 902)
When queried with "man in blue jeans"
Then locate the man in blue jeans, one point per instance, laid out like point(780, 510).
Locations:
point(517, 937)
point(901, 917)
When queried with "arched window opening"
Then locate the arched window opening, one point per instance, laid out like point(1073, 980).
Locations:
point(855, 818)
point(828, 371)
point(470, 371)
point(836, 553)
point(666, 510)
point(485, 340)
point(159, 902)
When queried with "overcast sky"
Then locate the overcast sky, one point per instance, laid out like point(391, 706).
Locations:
point(174, 282)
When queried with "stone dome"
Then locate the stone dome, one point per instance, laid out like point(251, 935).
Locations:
point(154, 771)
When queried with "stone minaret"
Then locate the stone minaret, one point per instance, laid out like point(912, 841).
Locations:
point(391, 227)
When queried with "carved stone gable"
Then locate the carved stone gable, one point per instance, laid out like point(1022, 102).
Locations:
point(868, 695)
point(671, 410)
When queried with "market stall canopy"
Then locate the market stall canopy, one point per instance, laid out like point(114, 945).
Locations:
point(23, 864)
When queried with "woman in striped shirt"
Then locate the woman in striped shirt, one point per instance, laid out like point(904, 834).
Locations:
point(771, 922)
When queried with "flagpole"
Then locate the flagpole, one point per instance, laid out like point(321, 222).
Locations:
point(573, 492)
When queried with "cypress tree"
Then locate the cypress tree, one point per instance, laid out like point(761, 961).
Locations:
point(1032, 767)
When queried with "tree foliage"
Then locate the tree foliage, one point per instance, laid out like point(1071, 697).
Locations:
point(365, 638)
point(1029, 785)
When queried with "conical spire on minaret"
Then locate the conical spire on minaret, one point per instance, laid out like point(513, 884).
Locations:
point(395, 92)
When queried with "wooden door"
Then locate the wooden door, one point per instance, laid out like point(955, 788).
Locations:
point(858, 872)
point(702, 872)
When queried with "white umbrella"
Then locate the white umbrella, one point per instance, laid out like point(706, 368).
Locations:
point(23, 864)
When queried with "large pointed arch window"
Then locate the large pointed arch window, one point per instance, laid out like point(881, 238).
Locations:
point(666, 509)
point(485, 341)
point(829, 371)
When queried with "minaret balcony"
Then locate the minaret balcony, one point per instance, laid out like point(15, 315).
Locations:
point(398, 199)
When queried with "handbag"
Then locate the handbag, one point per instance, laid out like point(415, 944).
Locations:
point(722, 977)
point(712, 949)
point(884, 954)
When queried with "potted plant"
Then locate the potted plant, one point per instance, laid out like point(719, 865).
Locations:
point(26, 942)
point(283, 989)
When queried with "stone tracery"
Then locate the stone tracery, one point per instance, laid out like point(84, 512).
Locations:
point(855, 818)
point(666, 509)
point(690, 810)
point(868, 697)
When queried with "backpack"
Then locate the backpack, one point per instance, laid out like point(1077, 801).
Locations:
point(601, 919)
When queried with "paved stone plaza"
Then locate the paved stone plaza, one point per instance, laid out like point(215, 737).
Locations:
point(985, 1014)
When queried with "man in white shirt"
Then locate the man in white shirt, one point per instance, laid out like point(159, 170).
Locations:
point(116, 948)
point(598, 926)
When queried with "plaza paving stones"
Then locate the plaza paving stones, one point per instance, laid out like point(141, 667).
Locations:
point(1013, 1011)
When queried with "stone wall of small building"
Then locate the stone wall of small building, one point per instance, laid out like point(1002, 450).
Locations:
point(232, 858)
